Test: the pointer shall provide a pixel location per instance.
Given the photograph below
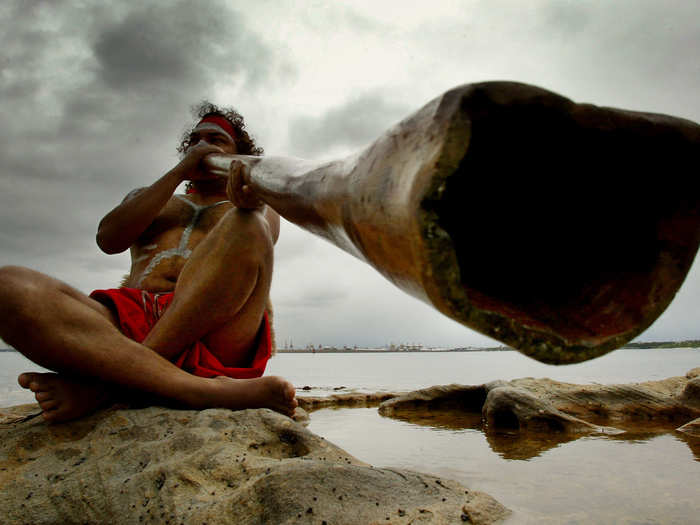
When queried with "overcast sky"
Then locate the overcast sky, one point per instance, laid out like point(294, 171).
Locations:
point(94, 96)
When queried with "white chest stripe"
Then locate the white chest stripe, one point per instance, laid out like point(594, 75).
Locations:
point(182, 250)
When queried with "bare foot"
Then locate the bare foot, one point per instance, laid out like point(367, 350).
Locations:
point(271, 392)
point(60, 398)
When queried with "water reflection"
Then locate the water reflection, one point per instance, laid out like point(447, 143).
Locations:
point(641, 476)
point(692, 442)
point(525, 445)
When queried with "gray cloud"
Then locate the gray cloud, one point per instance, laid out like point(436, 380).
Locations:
point(566, 17)
point(179, 42)
point(337, 17)
point(314, 299)
point(350, 125)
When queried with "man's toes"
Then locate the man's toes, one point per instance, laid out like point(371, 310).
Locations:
point(288, 390)
point(36, 382)
point(43, 396)
point(50, 415)
point(49, 405)
point(25, 379)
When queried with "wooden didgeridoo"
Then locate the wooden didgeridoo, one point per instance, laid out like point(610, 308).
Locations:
point(561, 229)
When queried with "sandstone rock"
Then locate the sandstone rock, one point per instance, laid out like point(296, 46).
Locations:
point(691, 393)
point(301, 416)
point(158, 465)
point(508, 408)
point(660, 402)
point(691, 428)
point(544, 405)
point(352, 399)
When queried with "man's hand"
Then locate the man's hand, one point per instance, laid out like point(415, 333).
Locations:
point(190, 167)
point(238, 188)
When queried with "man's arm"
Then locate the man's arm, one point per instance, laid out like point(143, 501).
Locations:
point(122, 226)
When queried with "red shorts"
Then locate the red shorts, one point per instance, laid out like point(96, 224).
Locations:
point(139, 310)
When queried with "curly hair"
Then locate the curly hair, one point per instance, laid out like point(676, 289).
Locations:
point(244, 143)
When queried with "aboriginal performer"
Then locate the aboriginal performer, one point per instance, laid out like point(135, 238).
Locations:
point(190, 323)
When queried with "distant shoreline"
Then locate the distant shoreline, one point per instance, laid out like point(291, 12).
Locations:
point(332, 350)
point(637, 346)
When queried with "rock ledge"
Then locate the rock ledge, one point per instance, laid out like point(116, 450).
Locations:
point(158, 465)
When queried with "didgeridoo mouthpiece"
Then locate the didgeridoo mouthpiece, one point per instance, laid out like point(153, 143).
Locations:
point(561, 229)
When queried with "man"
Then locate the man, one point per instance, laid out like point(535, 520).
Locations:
point(190, 324)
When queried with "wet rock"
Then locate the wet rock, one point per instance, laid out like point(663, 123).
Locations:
point(691, 429)
point(311, 403)
point(508, 408)
point(161, 465)
point(544, 405)
point(691, 393)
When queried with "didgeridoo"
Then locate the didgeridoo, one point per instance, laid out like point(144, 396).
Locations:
point(561, 229)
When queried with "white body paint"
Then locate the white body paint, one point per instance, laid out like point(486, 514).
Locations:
point(182, 250)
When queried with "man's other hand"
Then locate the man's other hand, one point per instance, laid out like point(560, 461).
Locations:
point(190, 167)
point(238, 188)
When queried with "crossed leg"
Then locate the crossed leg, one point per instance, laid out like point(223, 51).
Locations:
point(220, 297)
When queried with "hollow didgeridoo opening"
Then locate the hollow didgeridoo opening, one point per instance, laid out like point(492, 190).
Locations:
point(569, 227)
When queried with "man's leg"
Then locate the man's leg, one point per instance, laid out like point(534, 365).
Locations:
point(221, 294)
point(61, 329)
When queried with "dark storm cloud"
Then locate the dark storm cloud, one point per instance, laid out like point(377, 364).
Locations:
point(182, 42)
point(352, 124)
point(158, 59)
point(95, 73)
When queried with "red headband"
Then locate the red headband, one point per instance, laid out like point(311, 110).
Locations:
point(222, 123)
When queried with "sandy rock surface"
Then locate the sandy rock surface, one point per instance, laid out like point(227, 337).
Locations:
point(158, 465)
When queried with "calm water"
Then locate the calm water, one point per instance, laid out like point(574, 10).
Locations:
point(634, 478)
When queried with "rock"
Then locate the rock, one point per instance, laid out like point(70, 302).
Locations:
point(660, 402)
point(545, 405)
point(695, 372)
point(691, 429)
point(18, 414)
point(691, 393)
point(301, 416)
point(214, 466)
point(508, 408)
point(311, 403)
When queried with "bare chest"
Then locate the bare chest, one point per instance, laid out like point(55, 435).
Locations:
point(181, 220)
point(162, 250)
